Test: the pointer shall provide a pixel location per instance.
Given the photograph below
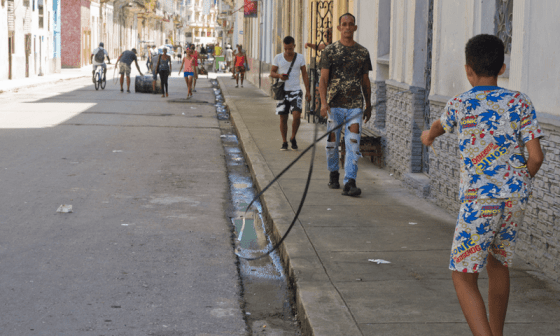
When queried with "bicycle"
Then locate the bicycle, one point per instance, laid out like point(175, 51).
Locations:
point(100, 80)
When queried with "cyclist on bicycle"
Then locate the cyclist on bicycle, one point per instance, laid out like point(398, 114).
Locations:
point(97, 58)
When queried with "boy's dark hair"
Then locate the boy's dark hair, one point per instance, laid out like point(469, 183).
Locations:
point(485, 55)
point(346, 14)
point(289, 40)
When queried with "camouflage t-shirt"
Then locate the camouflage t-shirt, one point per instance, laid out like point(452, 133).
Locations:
point(346, 65)
point(494, 124)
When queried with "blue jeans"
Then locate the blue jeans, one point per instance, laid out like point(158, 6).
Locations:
point(351, 141)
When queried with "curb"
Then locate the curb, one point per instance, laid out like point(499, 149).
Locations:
point(320, 307)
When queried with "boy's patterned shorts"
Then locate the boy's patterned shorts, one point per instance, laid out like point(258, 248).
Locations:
point(486, 226)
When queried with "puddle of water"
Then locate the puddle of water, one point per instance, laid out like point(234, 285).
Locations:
point(266, 293)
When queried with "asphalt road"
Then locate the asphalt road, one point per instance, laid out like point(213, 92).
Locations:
point(147, 249)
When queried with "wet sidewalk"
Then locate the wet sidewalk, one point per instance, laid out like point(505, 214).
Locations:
point(340, 292)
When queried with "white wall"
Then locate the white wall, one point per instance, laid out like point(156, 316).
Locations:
point(454, 23)
point(373, 20)
point(4, 41)
point(535, 53)
point(408, 41)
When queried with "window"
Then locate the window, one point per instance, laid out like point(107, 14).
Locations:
point(503, 22)
point(41, 16)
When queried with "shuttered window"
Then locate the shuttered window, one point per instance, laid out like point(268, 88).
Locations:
point(11, 24)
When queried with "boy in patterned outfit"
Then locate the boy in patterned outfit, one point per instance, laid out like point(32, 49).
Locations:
point(494, 126)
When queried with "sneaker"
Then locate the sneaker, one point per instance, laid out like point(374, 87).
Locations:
point(128, 90)
point(241, 85)
point(121, 90)
point(284, 146)
point(333, 183)
point(350, 189)
point(193, 90)
point(293, 141)
point(237, 85)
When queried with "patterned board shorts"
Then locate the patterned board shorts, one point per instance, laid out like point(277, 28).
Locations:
point(292, 102)
point(124, 69)
point(486, 226)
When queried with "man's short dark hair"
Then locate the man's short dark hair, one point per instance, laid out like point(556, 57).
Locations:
point(485, 55)
point(346, 14)
point(134, 50)
point(289, 40)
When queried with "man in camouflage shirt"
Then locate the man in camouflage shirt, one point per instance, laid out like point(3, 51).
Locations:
point(344, 85)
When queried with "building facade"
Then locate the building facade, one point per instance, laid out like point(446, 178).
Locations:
point(202, 26)
point(26, 28)
point(417, 54)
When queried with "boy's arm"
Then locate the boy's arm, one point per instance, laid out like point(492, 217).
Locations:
point(436, 130)
point(536, 156)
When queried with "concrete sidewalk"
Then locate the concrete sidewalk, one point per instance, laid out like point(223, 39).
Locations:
point(338, 291)
point(23, 83)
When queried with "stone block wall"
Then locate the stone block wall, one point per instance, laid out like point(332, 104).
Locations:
point(538, 241)
point(445, 166)
point(403, 127)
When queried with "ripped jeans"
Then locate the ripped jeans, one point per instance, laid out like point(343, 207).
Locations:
point(351, 141)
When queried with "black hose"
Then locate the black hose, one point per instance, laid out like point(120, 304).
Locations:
point(312, 146)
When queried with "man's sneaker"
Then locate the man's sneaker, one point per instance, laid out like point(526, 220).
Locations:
point(236, 85)
point(294, 143)
point(333, 183)
point(193, 90)
point(284, 146)
point(128, 90)
point(350, 189)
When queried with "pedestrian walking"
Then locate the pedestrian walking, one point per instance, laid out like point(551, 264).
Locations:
point(234, 53)
point(218, 50)
point(344, 85)
point(240, 60)
point(195, 65)
point(188, 65)
point(164, 67)
point(229, 58)
point(126, 59)
point(282, 67)
point(494, 125)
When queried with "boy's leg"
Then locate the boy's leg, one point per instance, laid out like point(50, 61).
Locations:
point(498, 294)
point(466, 287)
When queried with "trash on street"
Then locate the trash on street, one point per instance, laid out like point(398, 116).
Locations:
point(64, 208)
point(379, 261)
